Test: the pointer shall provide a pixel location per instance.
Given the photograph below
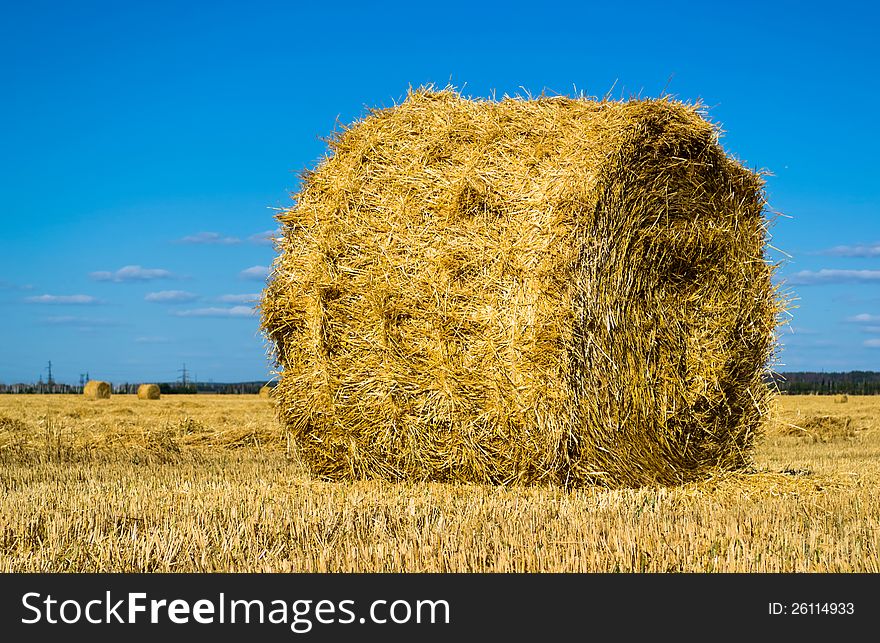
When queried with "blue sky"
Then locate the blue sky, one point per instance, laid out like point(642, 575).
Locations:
point(145, 146)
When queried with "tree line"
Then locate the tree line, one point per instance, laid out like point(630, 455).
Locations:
point(124, 388)
point(792, 383)
point(819, 383)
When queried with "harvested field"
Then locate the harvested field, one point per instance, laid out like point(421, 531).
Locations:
point(207, 483)
point(176, 428)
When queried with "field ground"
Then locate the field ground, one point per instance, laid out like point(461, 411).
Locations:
point(207, 483)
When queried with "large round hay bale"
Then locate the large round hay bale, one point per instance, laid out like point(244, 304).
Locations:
point(148, 392)
point(96, 390)
point(266, 391)
point(841, 399)
point(551, 290)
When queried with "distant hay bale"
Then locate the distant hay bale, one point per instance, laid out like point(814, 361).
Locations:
point(840, 399)
point(266, 391)
point(552, 290)
point(148, 392)
point(96, 390)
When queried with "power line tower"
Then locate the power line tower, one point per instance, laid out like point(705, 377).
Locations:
point(83, 378)
point(182, 377)
point(51, 382)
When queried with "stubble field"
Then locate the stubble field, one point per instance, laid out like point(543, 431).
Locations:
point(210, 483)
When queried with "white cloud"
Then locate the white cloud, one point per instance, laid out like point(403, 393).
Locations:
point(132, 273)
point(872, 343)
point(151, 340)
point(63, 299)
point(234, 311)
point(830, 276)
point(209, 238)
point(860, 250)
point(8, 285)
point(63, 320)
point(79, 322)
point(239, 299)
point(264, 238)
point(864, 318)
point(798, 330)
point(255, 272)
point(806, 342)
point(171, 297)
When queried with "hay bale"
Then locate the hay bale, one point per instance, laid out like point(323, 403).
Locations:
point(96, 390)
point(148, 392)
point(841, 399)
point(267, 391)
point(552, 290)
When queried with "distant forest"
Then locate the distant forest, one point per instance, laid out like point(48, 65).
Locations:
point(813, 383)
point(166, 388)
point(793, 383)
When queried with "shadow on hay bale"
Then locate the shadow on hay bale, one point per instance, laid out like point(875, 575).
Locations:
point(149, 392)
point(553, 290)
point(96, 390)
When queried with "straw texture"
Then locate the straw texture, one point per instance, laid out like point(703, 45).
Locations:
point(527, 291)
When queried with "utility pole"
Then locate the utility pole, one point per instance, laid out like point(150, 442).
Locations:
point(183, 376)
point(51, 382)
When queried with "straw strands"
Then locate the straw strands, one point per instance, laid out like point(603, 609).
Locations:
point(553, 290)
